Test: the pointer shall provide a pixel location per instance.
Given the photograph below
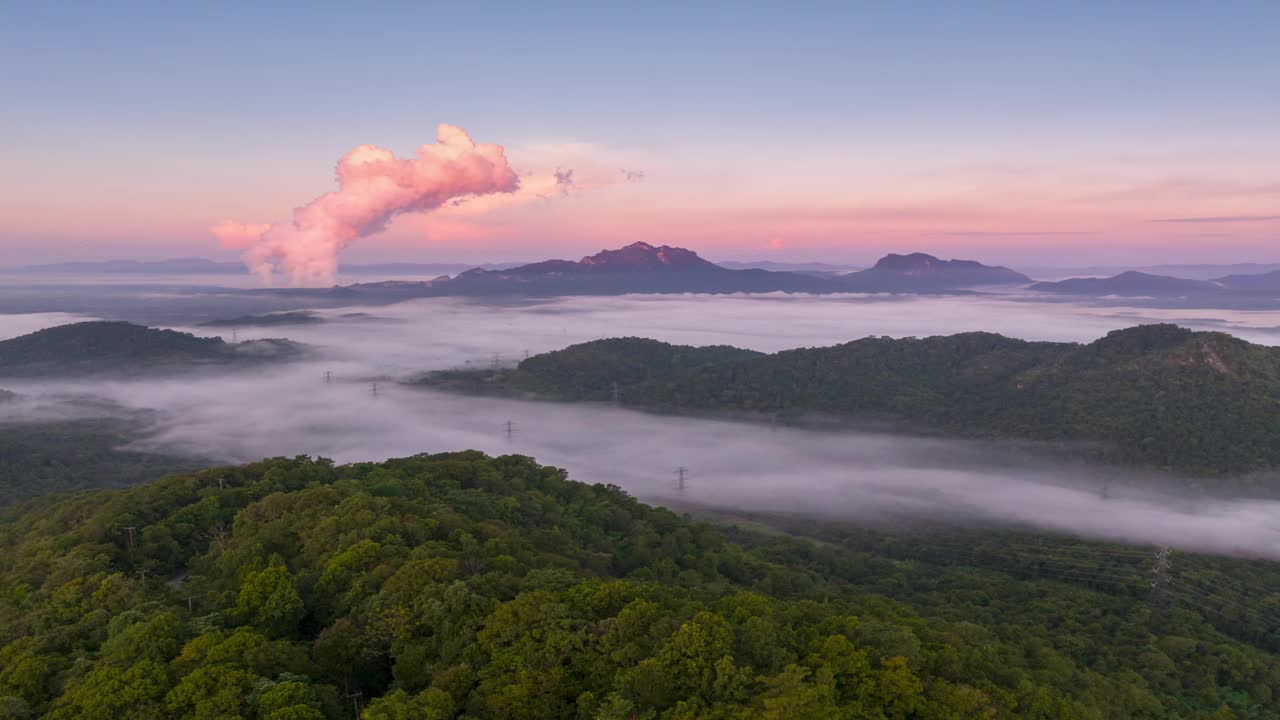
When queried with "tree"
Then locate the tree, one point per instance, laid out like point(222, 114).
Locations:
point(109, 693)
point(269, 601)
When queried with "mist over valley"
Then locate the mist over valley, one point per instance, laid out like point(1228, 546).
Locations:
point(345, 400)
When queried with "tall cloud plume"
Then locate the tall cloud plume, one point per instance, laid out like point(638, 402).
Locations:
point(373, 187)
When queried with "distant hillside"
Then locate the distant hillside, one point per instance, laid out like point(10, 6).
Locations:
point(918, 271)
point(636, 268)
point(1264, 283)
point(1138, 284)
point(100, 347)
point(642, 256)
point(299, 317)
point(1156, 394)
point(624, 362)
point(636, 257)
point(42, 458)
point(1128, 284)
point(1186, 271)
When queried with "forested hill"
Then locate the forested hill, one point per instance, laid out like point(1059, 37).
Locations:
point(38, 458)
point(103, 347)
point(592, 371)
point(462, 586)
point(1154, 394)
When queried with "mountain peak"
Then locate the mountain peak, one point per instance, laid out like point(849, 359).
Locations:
point(643, 256)
point(1145, 338)
point(923, 269)
point(905, 263)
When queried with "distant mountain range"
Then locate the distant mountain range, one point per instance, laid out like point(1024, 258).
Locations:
point(203, 266)
point(1128, 283)
point(1139, 284)
point(644, 268)
point(124, 349)
point(600, 274)
point(1202, 271)
point(1264, 283)
point(1157, 394)
point(636, 268)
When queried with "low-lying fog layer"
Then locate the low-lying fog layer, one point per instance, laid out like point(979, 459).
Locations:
point(292, 410)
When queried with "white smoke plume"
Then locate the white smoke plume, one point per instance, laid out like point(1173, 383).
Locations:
point(373, 187)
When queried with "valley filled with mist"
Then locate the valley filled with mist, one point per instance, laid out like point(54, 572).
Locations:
point(808, 500)
point(346, 398)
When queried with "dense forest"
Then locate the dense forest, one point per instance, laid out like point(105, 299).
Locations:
point(121, 348)
point(1160, 395)
point(50, 457)
point(464, 586)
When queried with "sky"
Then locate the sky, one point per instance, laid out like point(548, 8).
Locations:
point(1023, 133)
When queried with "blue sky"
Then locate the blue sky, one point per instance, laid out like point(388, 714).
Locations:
point(184, 115)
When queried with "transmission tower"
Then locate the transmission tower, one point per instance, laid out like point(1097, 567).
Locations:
point(373, 389)
point(510, 429)
point(328, 377)
point(681, 472)
point(616, 394)
point(1160, 577)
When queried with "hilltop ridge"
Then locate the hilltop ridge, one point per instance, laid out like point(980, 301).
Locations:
point(646, 268)
point(1159, 395)
point(114, 347)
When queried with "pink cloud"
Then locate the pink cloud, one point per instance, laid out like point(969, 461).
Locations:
point(547, 173)
point(238, 236)
point(374, 186)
